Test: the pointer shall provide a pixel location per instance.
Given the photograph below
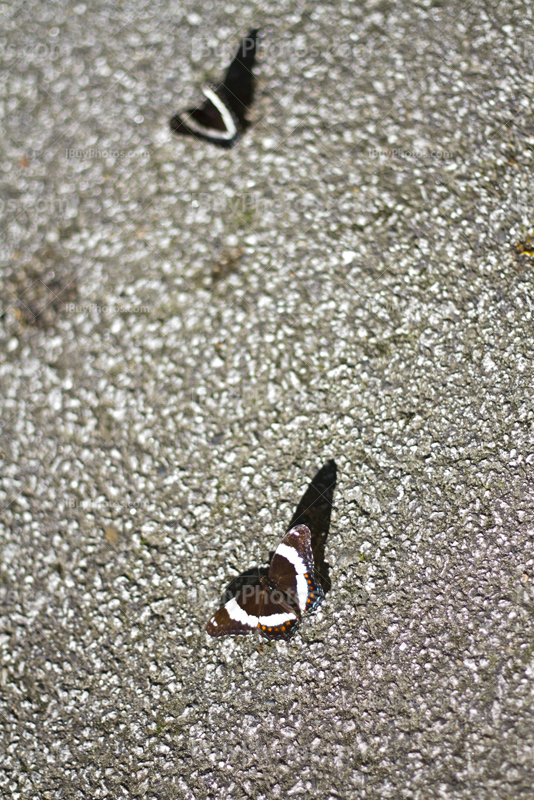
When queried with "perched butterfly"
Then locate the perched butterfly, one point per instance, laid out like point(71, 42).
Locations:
point(221, 119)
point(276, 604)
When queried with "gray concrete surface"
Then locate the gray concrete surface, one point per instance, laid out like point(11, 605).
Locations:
point(189, 334)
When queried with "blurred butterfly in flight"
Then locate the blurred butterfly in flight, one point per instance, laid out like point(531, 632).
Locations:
point(275, 606)
point(221, 119)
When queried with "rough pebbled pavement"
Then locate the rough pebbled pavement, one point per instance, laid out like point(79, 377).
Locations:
point(188, 335)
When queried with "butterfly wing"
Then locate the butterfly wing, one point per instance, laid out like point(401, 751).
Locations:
point(240, 615)
point(292, 570)
point(207, 116)
point(274, 606)
point(276, 618)
point(254, 607)
point(213, 121)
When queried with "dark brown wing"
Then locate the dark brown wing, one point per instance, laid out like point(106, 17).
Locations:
point(208, 122)
point(206, 115)
point(239, 615)
point(292, 570)
point(277, 619)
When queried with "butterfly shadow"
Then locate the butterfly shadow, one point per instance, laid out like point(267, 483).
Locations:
point(313, 510)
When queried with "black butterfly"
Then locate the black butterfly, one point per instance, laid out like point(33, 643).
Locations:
point(221, 118)
point(275, 606)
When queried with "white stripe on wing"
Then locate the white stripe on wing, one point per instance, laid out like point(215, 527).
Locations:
point(300, 569)
point(238, 614)
point(277, 619)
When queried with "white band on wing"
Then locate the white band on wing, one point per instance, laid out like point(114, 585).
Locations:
point(300, 569)
point(277, 619)
point(238, 614)
point(227, 118)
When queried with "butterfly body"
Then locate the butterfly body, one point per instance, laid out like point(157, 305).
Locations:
point(275, 605)
point(221, 119)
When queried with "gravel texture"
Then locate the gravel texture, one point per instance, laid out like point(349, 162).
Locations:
point(189, 335)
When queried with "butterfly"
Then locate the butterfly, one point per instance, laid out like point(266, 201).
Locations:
point(221, 119)
point(274, 606)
